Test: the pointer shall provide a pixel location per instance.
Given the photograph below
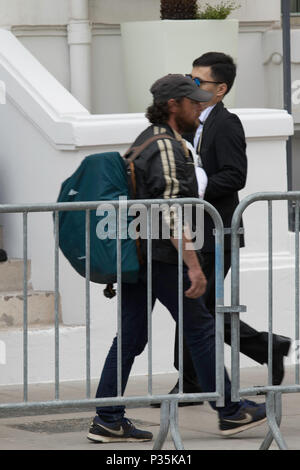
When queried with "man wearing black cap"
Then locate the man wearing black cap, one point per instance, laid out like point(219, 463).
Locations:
point(165, 170)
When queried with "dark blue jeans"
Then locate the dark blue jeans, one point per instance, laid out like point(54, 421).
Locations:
point(198, 330)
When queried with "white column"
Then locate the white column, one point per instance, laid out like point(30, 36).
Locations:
point(79, 40)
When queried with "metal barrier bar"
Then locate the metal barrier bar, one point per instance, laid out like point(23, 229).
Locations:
point(235, 323)
point(277, 411)
point(219, 299)
point(164, 425)
point(273, 414)
point(169, 402)
point(56, 303)
point(174, 425)
point(297, 286)
point(88, 301)
point(25, 309)
point(180, 301)
point(219, 337)
point(93, 205)
point(119, 300)
point(137, 400)
point(149, 296)
point(262, 390)
point(273, 393)
point(270, 293)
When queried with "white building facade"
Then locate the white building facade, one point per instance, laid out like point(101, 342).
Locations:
point(61, 63)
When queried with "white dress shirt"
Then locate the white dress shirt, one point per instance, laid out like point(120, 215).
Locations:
point(202, 118)
point(200, 173)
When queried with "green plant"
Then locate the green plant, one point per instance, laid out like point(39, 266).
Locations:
point(178, 9)
point(218, 12)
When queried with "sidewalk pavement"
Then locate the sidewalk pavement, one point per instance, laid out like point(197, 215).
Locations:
point(198, 425)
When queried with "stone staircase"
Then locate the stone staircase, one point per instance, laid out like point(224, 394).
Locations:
point(40, 303)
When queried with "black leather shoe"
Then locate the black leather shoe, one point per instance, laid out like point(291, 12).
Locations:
point(187, 388)
point(3, 256)
point(281, 348)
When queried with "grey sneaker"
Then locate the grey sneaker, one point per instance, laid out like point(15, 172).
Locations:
point(249, 415)
point(119, 431)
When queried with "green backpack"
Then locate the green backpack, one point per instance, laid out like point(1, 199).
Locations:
point(100, 177)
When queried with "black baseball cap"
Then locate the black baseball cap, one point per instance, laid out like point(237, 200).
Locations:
point(178, 86)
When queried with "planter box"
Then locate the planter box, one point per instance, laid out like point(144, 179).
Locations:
point(152, 49)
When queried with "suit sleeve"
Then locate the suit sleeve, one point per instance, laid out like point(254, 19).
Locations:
point(230, 149)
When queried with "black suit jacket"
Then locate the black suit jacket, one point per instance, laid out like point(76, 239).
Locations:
point(223, 154)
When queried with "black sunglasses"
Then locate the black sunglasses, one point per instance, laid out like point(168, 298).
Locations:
point(198, 81)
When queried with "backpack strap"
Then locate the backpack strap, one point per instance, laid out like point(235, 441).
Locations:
point(137, 150)
point(109, 291)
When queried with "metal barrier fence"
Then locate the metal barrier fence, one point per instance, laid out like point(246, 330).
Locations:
point(273, 392)
point(169, 403)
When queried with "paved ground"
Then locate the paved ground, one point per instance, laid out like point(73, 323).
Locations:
point(198, 424)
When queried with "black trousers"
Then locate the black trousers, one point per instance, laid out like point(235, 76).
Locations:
point(199, 332)
point(253, 344)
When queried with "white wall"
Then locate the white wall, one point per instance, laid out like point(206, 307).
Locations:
point(41, 25)
point(108, 83)
point(272, 58)
point(107, 11)
point(107, 66)
point(256, 10)
point(51, 50)
point(34, 12)
point(250, 80)
point(56, 12)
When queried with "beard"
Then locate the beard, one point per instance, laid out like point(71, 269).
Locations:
point(185, 126)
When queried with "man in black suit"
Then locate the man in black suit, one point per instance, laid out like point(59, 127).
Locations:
point(221, 147)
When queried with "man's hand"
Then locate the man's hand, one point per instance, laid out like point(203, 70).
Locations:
point(195, 273)
point(198, 283)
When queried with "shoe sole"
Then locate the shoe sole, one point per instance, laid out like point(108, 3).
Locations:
point(231, 432)
point(95, 438)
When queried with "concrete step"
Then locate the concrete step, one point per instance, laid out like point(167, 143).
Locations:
point(41, 309)
point(41, 353)
point(11, 275)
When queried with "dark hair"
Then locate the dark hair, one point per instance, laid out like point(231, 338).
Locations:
point(158, 113)
point(223, 68)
